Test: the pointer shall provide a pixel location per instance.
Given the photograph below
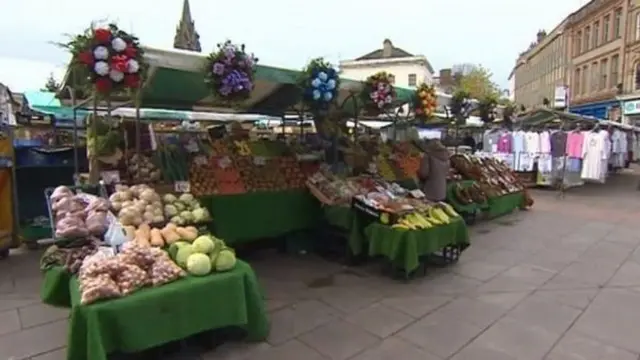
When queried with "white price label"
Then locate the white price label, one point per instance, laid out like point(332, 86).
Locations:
point(418, 194)
point(259, 160)
point(201, 160)
point(373, 169)
point(224, 162)
point(182, 186)
point(110, 177)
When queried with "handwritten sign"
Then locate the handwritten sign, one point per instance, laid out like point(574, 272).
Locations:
point(259, 160)
point(182, 186)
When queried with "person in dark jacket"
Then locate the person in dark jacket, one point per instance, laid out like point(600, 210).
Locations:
point(433, 171)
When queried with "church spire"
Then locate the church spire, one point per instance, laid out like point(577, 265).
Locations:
point(186, 36)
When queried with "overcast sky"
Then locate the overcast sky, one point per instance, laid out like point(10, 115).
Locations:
point(285, 33)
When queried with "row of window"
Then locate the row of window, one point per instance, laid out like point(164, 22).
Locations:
point(598, 76)
point(590, 37)
point(412, 79)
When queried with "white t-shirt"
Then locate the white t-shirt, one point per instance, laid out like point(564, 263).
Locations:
point(532, 142)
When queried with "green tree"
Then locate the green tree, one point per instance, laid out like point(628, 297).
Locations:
point(475, 80)
point(51, 85)
point(487, 109)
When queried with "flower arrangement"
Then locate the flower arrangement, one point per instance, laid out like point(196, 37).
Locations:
point(320, 84)
point(112, 57)
point(230, 72)
point(425, 101)
point(378, 93)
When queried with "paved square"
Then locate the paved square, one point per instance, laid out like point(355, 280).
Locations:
point(559, 282)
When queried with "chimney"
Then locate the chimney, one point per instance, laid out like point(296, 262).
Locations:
point(540, 35)
point(387, 48)
point(446, 78)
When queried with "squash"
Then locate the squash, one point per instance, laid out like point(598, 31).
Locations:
point(156, 238)
point(130, 231)
point(170, 235)
point(186, 234)
point(141, 238)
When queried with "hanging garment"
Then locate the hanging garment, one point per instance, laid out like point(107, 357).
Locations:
point(559, 143)
point(532, 142)
point(504, 143)
point(575, 140)
point(595, 157)
point(490, 141)
point(517, 148)
point(545, 142)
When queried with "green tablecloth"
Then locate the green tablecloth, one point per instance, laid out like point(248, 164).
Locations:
point(505, 204)
point(246, 217)
point(155, 316)
point(54, 290)
point(338, 216)
point(404, 247)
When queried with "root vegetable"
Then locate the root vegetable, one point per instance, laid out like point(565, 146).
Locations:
point(130, 231)
point(187, 234)
point(170, 235)
point(156, 238)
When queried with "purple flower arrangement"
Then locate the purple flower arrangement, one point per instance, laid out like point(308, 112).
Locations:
point(230, 72)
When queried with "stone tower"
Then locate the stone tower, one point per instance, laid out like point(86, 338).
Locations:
point(186, 36)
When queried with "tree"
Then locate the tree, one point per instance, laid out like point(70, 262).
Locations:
point(508, 114)
point(475, 80)
point(487, 109)
point(51, 85)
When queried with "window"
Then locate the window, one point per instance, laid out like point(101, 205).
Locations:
point(606, 23)
point(637, 76)
point(603, 74)
point(585, 40)
point(595, 39)
point(617, 19)
point(392, 78)
point(637, 34)
point(412, 80)
point(585, 72)
point(577, 82)
point(613, 80)
point(595, 77)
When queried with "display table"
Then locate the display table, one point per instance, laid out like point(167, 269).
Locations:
point(54, 290)
point(246, 217)
point(155, 316)
point(462, 208)
point(505, 204)
point(405, 247)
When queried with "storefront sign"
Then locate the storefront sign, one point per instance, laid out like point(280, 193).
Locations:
point(631, 107)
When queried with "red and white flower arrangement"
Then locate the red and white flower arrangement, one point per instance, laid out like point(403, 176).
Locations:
point(113, 58)
point(378, 93)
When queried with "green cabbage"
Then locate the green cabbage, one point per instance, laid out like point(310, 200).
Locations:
point(186, 198)
point(177, 220)
point(187, 216)
point(200, 215)
point(203, 244)
point(169, 198)
point(183, 254)
point(170, 210)
point(225, 260)
point(198, 264)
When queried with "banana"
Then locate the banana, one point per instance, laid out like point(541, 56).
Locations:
point(442, 216)
point(400, 226)
point(433, 217)
point(449, 209)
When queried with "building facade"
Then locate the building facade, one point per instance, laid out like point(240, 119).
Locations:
point(408, 70)
point(630, 99)
point(596, 46)
point(541, 69)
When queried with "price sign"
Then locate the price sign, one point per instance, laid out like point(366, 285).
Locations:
point(418, 194)
point(373, 169)
point(224, 162)
point(182, 186)
point(200, 160)
point(259, 160)
point(110, 177)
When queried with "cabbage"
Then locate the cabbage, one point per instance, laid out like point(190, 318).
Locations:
point(169, 198)
point(195, 204)
point(187, 216)
point(180, 206)
point(225, 260)
point(198, 264)
point(183, 254)
point(203, 244)
point(200, 215)
point(186, 198)
point(170, 210)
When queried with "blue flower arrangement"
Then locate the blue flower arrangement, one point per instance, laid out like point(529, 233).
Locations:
point(320, 84)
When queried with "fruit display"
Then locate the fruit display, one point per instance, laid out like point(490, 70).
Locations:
point(137, 204)
point(426, 216)
point(78, 215)
point(493, 177)
point(203, 255)
point(331, 189)
point(140, 168)
point(184, 209)
point(466, 195)
point(384, 168)
point(105, 276)
point(144, 235)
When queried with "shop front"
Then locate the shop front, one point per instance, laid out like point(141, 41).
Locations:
point(600, 110)
point(631, 112)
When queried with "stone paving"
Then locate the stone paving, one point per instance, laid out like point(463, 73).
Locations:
point(559, 282)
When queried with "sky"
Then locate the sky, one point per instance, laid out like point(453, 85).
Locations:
point(285, 33)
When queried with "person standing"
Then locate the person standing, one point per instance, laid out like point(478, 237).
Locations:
point(433, 171)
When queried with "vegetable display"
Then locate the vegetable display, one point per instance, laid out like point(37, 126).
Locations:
point(144, 235)
point(202, 256)
point(141, 169)
point(78, 215)
point(68, 257)
point(136, 205)
point(103, 277)
point(184, 209)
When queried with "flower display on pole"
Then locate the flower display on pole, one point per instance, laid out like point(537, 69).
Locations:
point(113, 58)
point(230, 72)
point(378, 93)
point(425, 101)
point(320, 84)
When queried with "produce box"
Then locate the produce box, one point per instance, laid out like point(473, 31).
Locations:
point(375, 214)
